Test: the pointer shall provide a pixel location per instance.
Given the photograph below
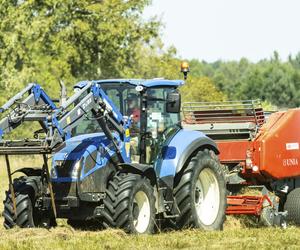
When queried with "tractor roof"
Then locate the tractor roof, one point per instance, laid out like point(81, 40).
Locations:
point(146, 83)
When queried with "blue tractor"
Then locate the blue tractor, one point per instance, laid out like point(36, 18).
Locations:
point(120, 159)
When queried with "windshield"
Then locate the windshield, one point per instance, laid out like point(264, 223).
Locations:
point(160, 124)
point(125, 98)
point(123, 95)
point(158, 118)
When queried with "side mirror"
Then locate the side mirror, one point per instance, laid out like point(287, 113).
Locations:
point(173, 102)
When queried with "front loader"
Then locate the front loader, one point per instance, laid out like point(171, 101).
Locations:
point(120, 158)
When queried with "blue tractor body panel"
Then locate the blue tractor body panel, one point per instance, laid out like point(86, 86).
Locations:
point(178, 148)
point(80, 148)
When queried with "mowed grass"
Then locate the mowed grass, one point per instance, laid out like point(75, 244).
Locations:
point(235, 235)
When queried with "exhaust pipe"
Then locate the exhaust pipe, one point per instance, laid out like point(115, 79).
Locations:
point(63, 93)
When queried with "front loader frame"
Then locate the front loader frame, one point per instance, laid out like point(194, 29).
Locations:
point(56, 123)
point(36, 106)
point(45, 168)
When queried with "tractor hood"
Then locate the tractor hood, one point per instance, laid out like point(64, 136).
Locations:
point(76, 146)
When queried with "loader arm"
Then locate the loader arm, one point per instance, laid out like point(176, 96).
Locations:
point(92, 98)
point(35, 106)
point(58, 122)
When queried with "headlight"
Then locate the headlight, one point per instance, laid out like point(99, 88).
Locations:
point(75, 170)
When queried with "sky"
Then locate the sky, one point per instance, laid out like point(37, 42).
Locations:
point(229, 29)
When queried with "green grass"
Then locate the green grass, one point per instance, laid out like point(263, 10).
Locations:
point(234, 236)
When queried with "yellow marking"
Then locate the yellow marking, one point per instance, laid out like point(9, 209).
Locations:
point(68, 120)
point(127, 148)
point(127, 133)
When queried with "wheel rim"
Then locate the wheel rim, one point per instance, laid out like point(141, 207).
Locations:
point(141, 212)
point(207, 197)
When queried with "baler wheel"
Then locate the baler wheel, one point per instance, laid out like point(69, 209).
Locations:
point(292, 206)
point(130, 204)
point(201, 193)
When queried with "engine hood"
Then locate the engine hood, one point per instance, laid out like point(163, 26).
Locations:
point(76, 146)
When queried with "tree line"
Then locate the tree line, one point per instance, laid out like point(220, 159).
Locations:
point(52, 40)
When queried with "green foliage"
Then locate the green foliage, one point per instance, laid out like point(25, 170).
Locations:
point(267, 106)
point(153, 63)
point(273, 81)
point(48, 40)
point(201, 89)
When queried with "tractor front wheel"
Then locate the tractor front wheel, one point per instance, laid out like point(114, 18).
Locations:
point(200, 193)
point(27, 214)
point(24, 216)
point(130, 204)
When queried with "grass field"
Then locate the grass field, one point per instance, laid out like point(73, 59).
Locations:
point(234, 236)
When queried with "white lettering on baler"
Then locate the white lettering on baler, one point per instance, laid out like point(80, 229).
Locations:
point(290, 162)
point(292, 146)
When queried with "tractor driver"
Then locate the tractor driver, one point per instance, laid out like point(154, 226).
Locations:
point(134, 112)
point(133, 108)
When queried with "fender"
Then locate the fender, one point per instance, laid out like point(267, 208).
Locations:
point(177, 150)
point(29, 171)
point(30, 181)
point(196, 144)
point(35, 182)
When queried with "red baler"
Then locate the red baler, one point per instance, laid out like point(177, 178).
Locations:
point(257, 149)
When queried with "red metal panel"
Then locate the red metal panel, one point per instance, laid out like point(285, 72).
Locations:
point(251, 205)
point(279, 145)
point(233, 151)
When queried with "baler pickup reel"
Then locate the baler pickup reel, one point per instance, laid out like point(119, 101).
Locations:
point(230, 119)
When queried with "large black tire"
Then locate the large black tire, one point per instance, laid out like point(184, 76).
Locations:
point(24, 210)
point(200, 192)
point(292, 206)
point(123, 206)
point(27, 214)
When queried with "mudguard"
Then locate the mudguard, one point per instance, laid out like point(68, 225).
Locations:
point(33, 181)
point(29, 171)
point(179, 148)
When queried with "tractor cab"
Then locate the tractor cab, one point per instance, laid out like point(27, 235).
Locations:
point(154, 109)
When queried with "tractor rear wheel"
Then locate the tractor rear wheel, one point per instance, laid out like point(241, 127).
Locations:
point(292, 206)
point(200, 193)
point(130, 204)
